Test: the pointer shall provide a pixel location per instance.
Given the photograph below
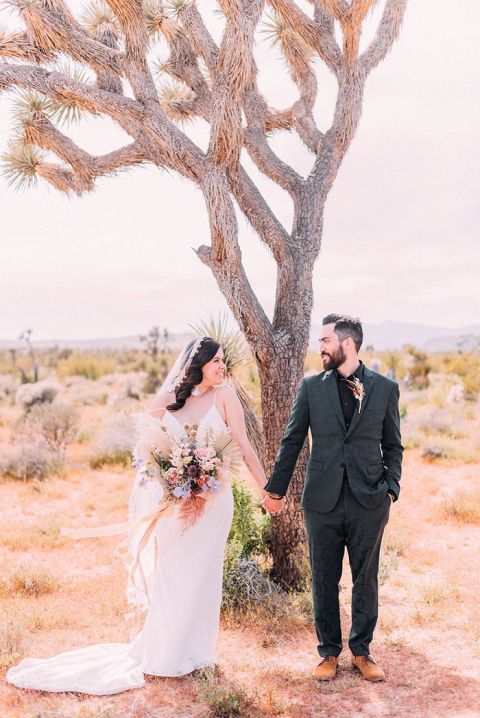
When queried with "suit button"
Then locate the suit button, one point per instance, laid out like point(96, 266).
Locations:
point(342, 465)
point(347, 441)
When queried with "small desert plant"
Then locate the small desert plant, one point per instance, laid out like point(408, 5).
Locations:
point(29, 459)
point(431, 453)
point(463, 508)
point(115, 443)
point(57, 424)
point(40, 393)
point(11, 644)
point(246, 585)
point(388, 563)
point(28, 582)
point(224, 700)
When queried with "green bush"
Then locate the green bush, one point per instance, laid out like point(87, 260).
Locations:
point(249, 525)
point(244, 582)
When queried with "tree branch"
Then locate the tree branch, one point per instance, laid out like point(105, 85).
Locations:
point(260, 216)
point(52, 28)
point(387, 32)
point(318, 37)
point(234, 73)
point(136, 119)
point(224, 260)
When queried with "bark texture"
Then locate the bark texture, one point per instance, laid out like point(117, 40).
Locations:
point(217, 82)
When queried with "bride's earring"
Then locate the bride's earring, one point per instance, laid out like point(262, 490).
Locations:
point(196, 391)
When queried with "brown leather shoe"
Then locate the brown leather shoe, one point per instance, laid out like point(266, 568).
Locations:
point(326, 669)
point(368, 668)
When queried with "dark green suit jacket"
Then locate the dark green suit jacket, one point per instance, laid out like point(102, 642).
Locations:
point(370, 451)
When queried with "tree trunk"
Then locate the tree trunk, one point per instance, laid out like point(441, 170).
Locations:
point(279, 380)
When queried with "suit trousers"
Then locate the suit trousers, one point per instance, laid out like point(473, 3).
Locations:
point(360, 530)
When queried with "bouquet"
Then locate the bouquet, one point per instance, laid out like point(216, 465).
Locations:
point(190, 472)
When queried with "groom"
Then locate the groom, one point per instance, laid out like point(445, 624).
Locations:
point(352, 478)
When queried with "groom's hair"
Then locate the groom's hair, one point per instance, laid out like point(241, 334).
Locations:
point(346, 326)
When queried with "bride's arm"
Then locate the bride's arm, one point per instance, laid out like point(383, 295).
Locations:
point(235, 420)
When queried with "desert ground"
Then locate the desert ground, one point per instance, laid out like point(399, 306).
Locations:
point(62, 583)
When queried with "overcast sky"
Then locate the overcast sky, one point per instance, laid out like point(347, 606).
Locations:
point(401, 224)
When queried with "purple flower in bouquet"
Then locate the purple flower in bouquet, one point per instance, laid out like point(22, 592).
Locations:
point(181, 492)
point(213, 484)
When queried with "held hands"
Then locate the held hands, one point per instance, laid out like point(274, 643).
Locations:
point(273, 506)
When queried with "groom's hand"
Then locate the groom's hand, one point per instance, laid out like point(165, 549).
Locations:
point(273, 506)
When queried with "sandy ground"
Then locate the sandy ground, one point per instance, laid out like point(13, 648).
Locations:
point(427, 638)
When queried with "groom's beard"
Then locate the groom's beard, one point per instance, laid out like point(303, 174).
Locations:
point(332, 360)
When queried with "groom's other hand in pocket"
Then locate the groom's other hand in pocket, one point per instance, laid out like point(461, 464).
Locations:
point(273, 506)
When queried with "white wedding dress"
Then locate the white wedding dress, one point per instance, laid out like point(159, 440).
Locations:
point(180, 594)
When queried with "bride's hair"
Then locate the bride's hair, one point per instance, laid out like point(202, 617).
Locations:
point(205, 353)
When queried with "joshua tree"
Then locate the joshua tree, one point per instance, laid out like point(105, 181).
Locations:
point(155, 341)
point(216, 82)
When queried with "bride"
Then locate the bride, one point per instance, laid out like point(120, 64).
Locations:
point(180, 589)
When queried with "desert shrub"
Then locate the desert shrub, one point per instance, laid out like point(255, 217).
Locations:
point(244, 581)
point(152, 382)
point(42, 392)
point(449, 449)
point(434, 452)
point(465, 365)
point(11, 644)
point(85, 391)
point(88, 366)
point(463, 508)
point(28, 582)
point(419, 368)
point(115, 443)
point(57, 424)
point(443, 423)
point(29, 459)
point(249, 526)
point(8, 389)
point(225, 700)
point(246, 584)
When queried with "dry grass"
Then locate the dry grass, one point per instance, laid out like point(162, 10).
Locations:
point(11, 643)
point(41, 538)
point(28, 582)
point(463, 508)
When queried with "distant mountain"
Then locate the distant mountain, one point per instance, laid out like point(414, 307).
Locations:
point(133, 342)
point(394, 335)
point(383, 336)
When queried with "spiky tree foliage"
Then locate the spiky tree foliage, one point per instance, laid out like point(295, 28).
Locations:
point(218, 83)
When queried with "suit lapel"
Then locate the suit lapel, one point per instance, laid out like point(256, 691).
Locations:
point(332, 391)
point(367, 385)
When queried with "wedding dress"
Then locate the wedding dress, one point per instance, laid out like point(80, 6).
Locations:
point(180, 592)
